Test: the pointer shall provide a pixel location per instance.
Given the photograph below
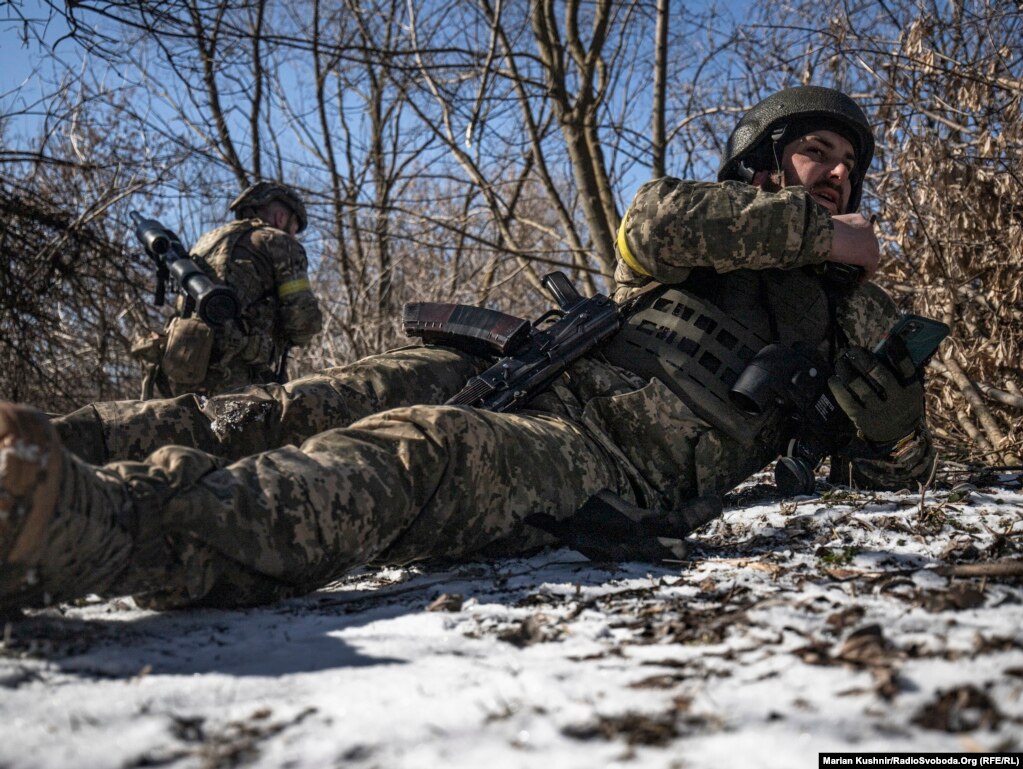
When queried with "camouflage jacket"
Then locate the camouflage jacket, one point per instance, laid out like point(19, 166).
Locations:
point(675, 226)
point(269, 271)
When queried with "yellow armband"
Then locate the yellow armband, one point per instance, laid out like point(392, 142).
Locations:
point(294, 287)
point(626, 254)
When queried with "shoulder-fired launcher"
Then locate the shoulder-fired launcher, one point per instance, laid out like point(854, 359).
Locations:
point(215, 304)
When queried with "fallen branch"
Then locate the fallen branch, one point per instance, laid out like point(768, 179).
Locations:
point(1007, 568)
point(987, 421)
point(1006, 397)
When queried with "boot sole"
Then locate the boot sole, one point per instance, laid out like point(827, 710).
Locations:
point(30, 469)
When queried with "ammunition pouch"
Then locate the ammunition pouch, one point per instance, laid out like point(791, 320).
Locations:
point(186, 359)
point(699, 352)
point(149, 347)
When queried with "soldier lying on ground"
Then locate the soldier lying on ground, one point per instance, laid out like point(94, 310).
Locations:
point(272, 491)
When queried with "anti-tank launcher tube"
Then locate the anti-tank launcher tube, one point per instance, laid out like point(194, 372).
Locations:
point(214, 304)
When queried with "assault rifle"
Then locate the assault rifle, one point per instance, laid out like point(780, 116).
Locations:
point(533, 355)
point(213, 303)
point(794, 379)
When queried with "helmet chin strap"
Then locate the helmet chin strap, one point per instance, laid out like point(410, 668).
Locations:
point(776, 136)
point(747, 173)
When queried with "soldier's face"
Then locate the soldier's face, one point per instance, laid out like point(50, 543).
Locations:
point(823, 163)
point(282, 218)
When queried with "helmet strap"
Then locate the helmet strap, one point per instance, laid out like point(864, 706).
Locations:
point(776, 136)
point(745, 167)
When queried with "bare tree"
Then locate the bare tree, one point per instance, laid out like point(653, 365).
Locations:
point(66, 280)
point(464, 147)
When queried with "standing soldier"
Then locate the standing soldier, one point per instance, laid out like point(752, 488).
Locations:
point(259, 258)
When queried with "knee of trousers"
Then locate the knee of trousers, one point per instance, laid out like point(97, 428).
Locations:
point(164, 474)
point(405, 451)
point(422, 438)
point(246, 421)
point(81, 432)
point(179, 467)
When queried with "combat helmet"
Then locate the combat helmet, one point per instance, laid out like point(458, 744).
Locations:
point(783, 117)
point(261, 193)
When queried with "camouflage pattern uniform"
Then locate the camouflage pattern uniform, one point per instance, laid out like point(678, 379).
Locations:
point(261, 417)
point(736, 229)
point(268, 270)
point(186, 525)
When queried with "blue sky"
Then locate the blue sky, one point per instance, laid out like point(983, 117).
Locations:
point(26, 65)
point(17, 59)
point(31, 67)
point(28, 71)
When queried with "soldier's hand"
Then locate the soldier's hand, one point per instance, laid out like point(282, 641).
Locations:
point(884, 407)
point(854, 242)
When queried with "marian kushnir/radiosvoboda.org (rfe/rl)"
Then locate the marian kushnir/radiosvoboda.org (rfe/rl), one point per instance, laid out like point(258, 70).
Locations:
point(920, 759)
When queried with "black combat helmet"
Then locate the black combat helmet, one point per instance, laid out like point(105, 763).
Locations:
point(786, 115)
point(261, 193)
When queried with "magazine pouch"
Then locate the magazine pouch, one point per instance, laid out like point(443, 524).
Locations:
point(189, 345)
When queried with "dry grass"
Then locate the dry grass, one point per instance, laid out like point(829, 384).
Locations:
point(949, 97)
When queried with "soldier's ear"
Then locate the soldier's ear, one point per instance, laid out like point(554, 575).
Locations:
point(767, 181)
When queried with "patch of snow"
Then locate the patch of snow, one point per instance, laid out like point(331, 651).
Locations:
point(832, 623)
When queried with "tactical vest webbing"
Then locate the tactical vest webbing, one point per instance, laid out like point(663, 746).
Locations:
point(214, 248)
point(697, 351)
point(256, 342)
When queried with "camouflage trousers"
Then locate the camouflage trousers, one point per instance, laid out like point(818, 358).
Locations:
point(313, 496)
point(156, 383)
point(262, 417)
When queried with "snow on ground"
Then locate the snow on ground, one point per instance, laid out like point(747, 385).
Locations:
point(880, 622)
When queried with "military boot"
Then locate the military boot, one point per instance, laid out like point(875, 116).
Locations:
point(65, 526)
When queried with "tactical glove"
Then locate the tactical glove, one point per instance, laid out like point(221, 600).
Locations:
point(884, 400)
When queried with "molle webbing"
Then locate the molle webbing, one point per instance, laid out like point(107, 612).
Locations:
point(214, 248)
point(697, 351)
